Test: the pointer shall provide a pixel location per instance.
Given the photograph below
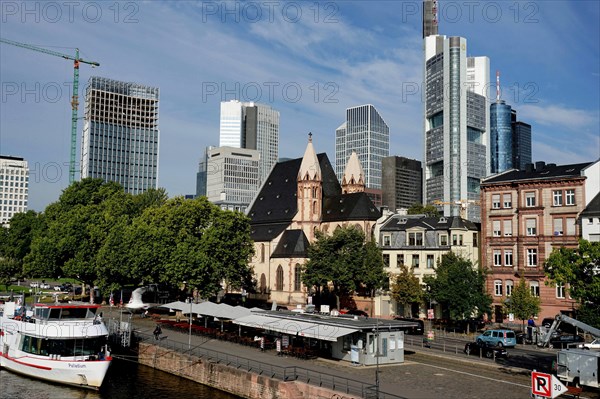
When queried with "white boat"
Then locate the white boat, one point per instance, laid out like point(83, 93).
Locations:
point(62, 343)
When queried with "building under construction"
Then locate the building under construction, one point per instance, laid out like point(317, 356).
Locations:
point(120, 134)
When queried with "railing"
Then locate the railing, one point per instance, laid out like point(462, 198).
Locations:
point(283, 373)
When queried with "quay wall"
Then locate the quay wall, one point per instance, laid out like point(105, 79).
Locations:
point(230, 379)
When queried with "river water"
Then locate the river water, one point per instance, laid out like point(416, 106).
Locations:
point(125, 380)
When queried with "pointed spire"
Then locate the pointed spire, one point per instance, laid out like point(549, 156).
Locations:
point(310, 163)
point(353, 174)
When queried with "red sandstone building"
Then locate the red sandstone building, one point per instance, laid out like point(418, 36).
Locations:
point(524, 215)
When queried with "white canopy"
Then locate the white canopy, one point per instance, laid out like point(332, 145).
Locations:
point(178, 305)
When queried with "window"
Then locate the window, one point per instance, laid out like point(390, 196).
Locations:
point(297, 277)
point(415, 261)
point(530, 226)
point(474, 239)
point(454, 239)
point(498, 287)
point(508, 257)
point(495, 201)
point(532, 257)
point(400, 259)
point(386, 260)
point(508, 228)
point(497, 257)
point(279, 279)
point(509, 287)
point(460, 239)
point(262, 253)
point(535, 288)
point(557, 198)
point(507, 200)
point(387, 240)
point(570, 197)
point(558, 227)
point(570, 226)
point(443, 239)
point(560, 290)
point(415, 239)
point(430, 261)
point(530, 199)
point(496, 228)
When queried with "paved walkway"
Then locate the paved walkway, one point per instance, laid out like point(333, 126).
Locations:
point(418, 378)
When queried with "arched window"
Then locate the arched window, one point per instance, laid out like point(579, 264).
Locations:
point(279, 279)
point(262, 253)
point(263, 283)
point(297, 277)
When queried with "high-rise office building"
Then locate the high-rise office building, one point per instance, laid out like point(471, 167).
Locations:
point(402, 182)
point(456, 123)
point(501, 135)
point(253, 126)
point(521, 142)
point(120, 134)
point(232, 180)
point(366, 133)
point(430, 21)
point(202, 174)
point(14, 187)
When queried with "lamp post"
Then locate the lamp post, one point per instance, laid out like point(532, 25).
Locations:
point(190, 332)
point(377, 358)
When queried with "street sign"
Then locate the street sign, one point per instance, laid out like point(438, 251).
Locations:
point(430, 314)
point(546, 385)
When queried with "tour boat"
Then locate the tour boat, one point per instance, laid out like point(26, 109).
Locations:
point(62, 343)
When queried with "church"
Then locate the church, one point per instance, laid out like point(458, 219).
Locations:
point(299, 197)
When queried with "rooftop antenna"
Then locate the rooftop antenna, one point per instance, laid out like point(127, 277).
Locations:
point(497, 86)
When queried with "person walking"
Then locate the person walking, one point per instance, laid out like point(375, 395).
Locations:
point(157, 332)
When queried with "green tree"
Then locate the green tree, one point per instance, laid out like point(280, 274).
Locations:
point(459, 287)
point(578, 269)
point(17, 239)
point(406, 287)
point(9, 268)
point(346, 261)
point(427, 210)
point(522, 303)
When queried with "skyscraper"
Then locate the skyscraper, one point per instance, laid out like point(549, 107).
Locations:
point(521, 142)
point(253, 126)
point(366, 133)
point(402, 182)
point(501, 135)
point(456, 124)
point(120, 134)
point(14, 187)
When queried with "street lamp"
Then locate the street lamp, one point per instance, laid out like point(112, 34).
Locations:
point(190, 332)
point(377, 358)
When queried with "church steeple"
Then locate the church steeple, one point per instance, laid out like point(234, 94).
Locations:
point(310, 168)
point(310, 192)
point(353, 180)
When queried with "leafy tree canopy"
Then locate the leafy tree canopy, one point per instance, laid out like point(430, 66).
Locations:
point(420, 209)
point(406, 287)
point(522, 303)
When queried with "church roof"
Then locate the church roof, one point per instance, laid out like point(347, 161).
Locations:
point(354, 172)
point(355, 206)
point(310, 164)
point(293, 244)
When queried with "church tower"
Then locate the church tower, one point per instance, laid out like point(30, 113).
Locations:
point(353, 180)
point(310, 192)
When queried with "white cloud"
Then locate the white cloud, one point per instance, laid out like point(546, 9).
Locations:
point(552, 115)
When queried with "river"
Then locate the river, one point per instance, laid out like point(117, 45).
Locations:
point(125, 380)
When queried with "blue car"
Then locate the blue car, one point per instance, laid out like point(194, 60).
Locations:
point(498, 338)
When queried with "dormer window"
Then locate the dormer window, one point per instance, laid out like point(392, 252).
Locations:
point(442, 220)
point(415, 239)
point(387, 240)
point(402, 221)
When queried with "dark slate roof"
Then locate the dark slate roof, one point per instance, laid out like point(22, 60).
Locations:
point(293, 244)
point(593, 208)
point(276, 200)
point(355, 206)
point(540, 172)
point(266, 232)
point(404, 222)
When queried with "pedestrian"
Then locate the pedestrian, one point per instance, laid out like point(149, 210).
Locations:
point(262, 344)
point(157, 332)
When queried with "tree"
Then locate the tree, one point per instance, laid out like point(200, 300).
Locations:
point(346, 261)
point(9, 268)
point(17, 238)
point(427, 210)
point(522, 303)
point(406, 287)
point(578, 270)
point(459, 287)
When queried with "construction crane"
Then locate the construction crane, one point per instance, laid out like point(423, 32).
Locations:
point(74, 99)
point(463, 203)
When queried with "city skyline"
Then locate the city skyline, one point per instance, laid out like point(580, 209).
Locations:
point(310, 65)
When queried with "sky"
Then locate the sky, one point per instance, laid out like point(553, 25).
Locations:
point(309, 60)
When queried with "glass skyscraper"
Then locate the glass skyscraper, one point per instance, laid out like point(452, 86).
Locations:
point(501, 145)
point(366, 133)
point(14, 187)
point(521, 142)
point(120, 134)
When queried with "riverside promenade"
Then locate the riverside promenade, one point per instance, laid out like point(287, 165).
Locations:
point(422, 376)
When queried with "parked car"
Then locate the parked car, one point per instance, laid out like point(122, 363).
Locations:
point(45, 286)
point(357, 312)
point(485, 350)
point(564, 341)
point(418, 330)
point(58, 288)
point(500, 338)
point(595, 344)
point(34, 284)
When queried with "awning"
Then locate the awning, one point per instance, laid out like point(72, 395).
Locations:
point(178, 305)
point(295, 327)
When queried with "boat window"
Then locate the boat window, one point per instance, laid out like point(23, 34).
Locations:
point(78, 313)
point(62, 347)
point(54, 313)
point(42, 313)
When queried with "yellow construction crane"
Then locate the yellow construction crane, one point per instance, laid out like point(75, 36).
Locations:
point(74, 99)
point(463, 203)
